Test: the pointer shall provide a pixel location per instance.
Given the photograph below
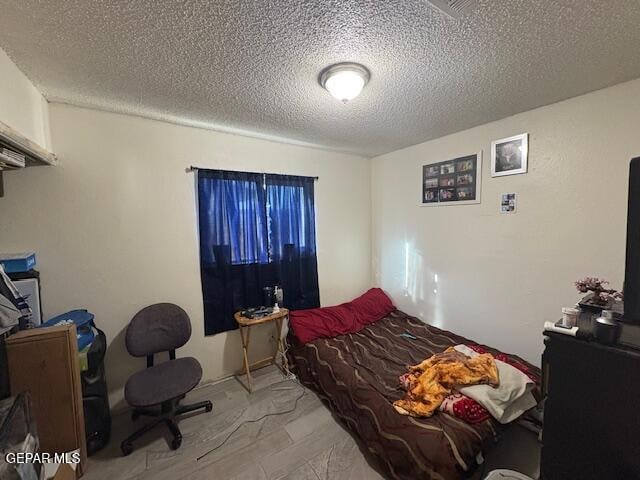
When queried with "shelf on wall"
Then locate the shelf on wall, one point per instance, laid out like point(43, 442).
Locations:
point(34, 153)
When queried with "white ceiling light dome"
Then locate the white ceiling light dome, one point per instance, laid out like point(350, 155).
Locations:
point(345, 81)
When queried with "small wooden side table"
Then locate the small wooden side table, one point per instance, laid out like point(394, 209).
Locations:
point(245, 325)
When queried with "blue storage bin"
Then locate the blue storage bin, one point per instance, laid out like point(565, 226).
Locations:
point(18, 262)
point(84, 325)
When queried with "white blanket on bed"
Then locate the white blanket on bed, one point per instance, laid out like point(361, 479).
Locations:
point(510, 399)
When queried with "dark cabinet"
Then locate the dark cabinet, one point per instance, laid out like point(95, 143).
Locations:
point(592, 411)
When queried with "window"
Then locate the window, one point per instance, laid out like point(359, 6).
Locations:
point(256, 230)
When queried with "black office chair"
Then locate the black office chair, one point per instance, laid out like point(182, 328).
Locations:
point(157, 390)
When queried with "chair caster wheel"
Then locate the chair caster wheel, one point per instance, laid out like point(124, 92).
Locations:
point(175, 443)
point(126, 448)
point(209, 407)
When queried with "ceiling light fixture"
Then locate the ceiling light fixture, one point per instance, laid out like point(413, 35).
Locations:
point(344, 81)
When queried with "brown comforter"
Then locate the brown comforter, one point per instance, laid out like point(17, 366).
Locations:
point(357, 374)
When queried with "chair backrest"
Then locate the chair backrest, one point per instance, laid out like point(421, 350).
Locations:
point(162, 327)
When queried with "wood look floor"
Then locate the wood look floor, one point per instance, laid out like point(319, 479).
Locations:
point(307, 443)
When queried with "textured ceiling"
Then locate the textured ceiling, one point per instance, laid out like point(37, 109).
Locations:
point(252, 66)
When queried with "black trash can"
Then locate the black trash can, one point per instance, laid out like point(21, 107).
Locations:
point(95, 396)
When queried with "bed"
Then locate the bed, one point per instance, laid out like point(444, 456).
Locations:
point(356, 374)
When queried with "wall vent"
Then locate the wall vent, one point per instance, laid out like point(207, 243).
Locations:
point(454, 8)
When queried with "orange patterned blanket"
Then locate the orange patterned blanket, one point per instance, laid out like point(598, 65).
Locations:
point(431, 381)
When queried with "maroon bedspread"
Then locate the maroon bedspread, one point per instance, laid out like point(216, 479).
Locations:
point(357, 374)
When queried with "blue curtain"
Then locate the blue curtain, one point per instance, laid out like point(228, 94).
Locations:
point(290, 213)
point(232, 213)
point(256, 230)
point(292, 238)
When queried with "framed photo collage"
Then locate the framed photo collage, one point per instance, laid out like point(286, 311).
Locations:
point(455, 181)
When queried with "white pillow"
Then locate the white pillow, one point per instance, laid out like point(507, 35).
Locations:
point(507, 401)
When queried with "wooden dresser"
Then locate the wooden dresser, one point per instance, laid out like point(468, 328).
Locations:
point(44, 361)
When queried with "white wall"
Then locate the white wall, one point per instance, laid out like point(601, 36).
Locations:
point(500, 277)
point(114, 225)
point(22, 107)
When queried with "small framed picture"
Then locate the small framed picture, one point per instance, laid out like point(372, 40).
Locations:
point(508, 203)
point(509, 155)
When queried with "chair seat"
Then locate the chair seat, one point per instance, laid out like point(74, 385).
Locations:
point(166, 381)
